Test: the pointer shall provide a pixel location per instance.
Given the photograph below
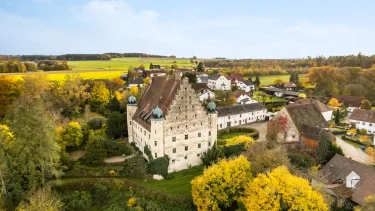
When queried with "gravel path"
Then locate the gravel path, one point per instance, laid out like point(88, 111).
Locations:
point(76, 155)
point(353, 152)
point(117, 159)
point(261, 127)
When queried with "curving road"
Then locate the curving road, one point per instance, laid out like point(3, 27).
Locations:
point(353, 152)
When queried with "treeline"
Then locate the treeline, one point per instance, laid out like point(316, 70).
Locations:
point(359, 60)
point(79, 57)
point(48, 65)
point(15, 66)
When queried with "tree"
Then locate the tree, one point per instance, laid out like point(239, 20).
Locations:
point(323, 147)
point(134, 90)
point(365, 140)
point(142, 66)
point(41, 199)
point(99, 95)
point(33, 157)
point(174, 67)
point(71, 95)
point(151, 66)
point(115, 83)
point(116, 125)
point(77, 201)
point(147, 81)
point(352, 132)
point(326, 79)
point(274, 127)
point(114, 104)
point(221, 185)
point(200, 67)
point(72, 135)
point(365, 104)
point(191, 76)
point(278, 80)
point(211, 155)
point(194, 57)
point(337, 116)
point(302, 95)
point(280, 190)
point(9, 91)
point(234, 88)
point(245, 140)
point(334, 103)
point(95, 150)
point(257, 81)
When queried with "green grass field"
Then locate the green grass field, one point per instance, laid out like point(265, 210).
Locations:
point(125, 63)
point(269, 79)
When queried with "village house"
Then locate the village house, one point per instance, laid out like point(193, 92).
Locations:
point(349, 102)
point(155, 73)
point(326, 111)
point(170, 120)
point(349, 179)
point(218, 82)
point(363, 119)
point(203, 92)
point(230, 116)
point(304, 121)
point(288, 86)
point(235, 78)
point(280, 92)
point(202, 78)
point(138, 82)
point(242, 97)
point(247, 86)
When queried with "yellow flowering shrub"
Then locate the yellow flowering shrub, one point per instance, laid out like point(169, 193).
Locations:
point(6, 137)
point(131, 202)
point(245, 140)
point(267, 191)
point(221, 184)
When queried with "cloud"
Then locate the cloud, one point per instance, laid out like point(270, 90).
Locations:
point(115, 26)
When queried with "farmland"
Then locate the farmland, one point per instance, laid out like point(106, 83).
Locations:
point(125, 63)
point(269, 79)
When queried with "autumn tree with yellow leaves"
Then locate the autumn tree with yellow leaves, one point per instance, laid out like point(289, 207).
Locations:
point(99, 95)
point(221, 185)
point(334, 103)
point(134, 90)
point(245, 140)
point(280, 190)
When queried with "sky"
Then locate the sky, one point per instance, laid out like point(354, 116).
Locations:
point(269, 29)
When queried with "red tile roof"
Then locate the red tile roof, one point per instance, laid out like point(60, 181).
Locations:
point(349, 101)
point(161, 92)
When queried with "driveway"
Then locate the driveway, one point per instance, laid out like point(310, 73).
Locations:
point(261, 127)
point(353, 152)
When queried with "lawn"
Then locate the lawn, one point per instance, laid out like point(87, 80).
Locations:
point(125, 63)
point(179, 184)
point(269, 79)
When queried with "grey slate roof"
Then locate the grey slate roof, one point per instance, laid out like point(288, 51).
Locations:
point(363, 115)
point(204, 79)
point(138, 80)
point(339, 167)
point(239, 109)
point(214, 77)
point(247, 82)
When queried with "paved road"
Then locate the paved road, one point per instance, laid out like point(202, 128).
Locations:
point(261, 127)
point(353, 152)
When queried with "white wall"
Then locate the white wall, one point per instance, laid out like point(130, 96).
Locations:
point(245, 87)
point(351, 109)
point(240, 119)
point(327, 115)
point(207, 94)
point(217, 84)
point(131, 85)
point(368, 126)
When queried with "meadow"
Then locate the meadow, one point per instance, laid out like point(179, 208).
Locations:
point(269, 79)
point(125, 63)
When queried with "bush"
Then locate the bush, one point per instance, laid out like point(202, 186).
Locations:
point(95, 150)
point(339, 132)
point(301, 161)
point(251, 131)
point(96, 123)
point(212, 155)
point(147, 151)
point(334, 149)
point(77, 201)
point(136, 167)
point(233, 150)
point(116, 125)
point(159, 166)
point(115, 148)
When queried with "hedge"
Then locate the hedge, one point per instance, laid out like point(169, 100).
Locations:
point(108, 192)
point(353, 140)
point(251, 131)
point(159, 166)
point(136, 167)
point(339, 132)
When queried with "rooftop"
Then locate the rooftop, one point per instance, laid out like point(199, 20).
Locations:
point(339, 167)
point(199, 86)
point(138, 80)
point(363, 115)
point(349, 101)
point(239, 109)
point(321, 106)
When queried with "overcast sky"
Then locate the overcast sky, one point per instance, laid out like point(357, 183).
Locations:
point(209, 28)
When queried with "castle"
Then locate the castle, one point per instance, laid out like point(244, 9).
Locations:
point(170, 120)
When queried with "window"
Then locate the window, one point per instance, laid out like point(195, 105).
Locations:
point(173, 161)
point(209, 132)
point(174, 150)
point(149, 136)
point(182, 98)
point(156, 155)
point(228, 117)
point(156, 143)
point(186, 126)
point(209, 144)
point(185, 106)
point(186, 137)
point(199, 145)
point(195, 115)
point(171, 128)
point(221, 125)
point(176, 118)
point(144, 133)
point(186, 157)
point(130, 122)
point(199, 134)
point(186, 148)
point(363, 123)
point(186, 117)
point(173, 139)
point(370, 125)
point(198, 155)
point(240, 115)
